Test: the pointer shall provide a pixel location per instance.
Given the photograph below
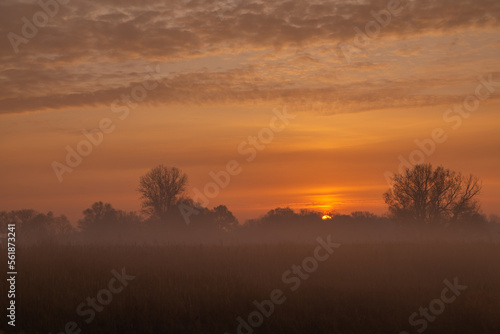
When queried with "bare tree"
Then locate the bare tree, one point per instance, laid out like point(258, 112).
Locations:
point(161, 188)
point(433, 196)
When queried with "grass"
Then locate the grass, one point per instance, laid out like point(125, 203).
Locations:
point(361, 288)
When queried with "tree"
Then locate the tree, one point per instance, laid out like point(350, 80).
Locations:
point(98, 216)
point(433, 196)
point(281, 214)
point(52, 225)
point(104, 220)
point(161, 189)
point(33, 226)
point(223, 218)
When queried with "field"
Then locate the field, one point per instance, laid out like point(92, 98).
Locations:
point(359, 288)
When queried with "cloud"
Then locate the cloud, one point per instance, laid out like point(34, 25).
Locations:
point(83, 56)
point(242, 85)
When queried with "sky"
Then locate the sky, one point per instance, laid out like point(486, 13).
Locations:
point(361, 88)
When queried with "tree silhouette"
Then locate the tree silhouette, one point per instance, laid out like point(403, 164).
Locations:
point(34, 226)
point(433, 196)
point(97, 216)
point(161, 189)
point(102, 218)
point(223, 218)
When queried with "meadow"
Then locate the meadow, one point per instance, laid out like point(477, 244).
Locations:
point(360, 288)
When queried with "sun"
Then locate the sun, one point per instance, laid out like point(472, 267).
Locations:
point(325, 217)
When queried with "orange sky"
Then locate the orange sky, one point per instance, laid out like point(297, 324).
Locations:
point(203, 77)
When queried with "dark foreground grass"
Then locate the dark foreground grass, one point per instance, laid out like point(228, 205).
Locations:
point(204, 289)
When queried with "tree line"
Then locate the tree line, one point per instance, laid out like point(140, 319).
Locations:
point(422, 195)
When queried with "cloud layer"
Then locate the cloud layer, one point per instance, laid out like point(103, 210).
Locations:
point(91, 52)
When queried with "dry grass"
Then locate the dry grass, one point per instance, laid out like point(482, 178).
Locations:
point(362, 288)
